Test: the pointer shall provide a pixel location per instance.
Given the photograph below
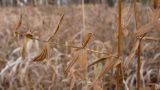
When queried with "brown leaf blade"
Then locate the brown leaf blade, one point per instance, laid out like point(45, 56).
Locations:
point(42, 55)
point(83, 59)
point(131, 55)
point(146, 28)
point(19, 23)
point(86, 39)
point(152, 38)
point(108, 66)
point(76, 57)
point(56, 28)
point(97, 61)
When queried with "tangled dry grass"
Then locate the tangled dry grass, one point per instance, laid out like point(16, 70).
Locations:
point(42, 48)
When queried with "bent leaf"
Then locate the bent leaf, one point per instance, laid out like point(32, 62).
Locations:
point(86, 39)
point(97, 61)
point(56, 28)
point(108, 66)
point(42, 55)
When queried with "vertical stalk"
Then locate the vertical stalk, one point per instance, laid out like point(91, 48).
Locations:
point(139, 66)
point(155, 4)
point(119, 27)
point(120, 75)
point(139, 47)
point(82, 35)
point(135, 14)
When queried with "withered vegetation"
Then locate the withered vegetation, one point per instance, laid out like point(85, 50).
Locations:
point(114, 48)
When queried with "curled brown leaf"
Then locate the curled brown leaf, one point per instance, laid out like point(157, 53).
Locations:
point(42, 55)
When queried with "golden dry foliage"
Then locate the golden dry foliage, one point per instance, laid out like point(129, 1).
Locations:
point(145, 29)
point(29, 35)
point(154, 22)
point(97, 61)
point(42, 55)
point(19, 22)
point(100, 60)
point(108, 66)
point(56, 28)
point(119, 27)
point(86, 39)
point(131, 55)
point(81, 55)
point(152, 38)
point(120, 45)
point(83, 59)
point(75, 58)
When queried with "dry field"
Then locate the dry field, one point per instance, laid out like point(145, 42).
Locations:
point(64, 48)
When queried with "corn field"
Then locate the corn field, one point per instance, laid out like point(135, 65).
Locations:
point(86, 46)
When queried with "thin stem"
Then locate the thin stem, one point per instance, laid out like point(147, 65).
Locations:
point(139, 47)
point(119, 67)
point(135, 14)
point(83, 18)
point(119, 27)
point(138, 67)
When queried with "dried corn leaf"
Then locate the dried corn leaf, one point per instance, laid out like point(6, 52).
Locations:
point(60, 21)
point(73, 81)
point(101, 60)
point(108, 66)
point(97, 61)
point(132, 53)
point(146, 28)
point(83, 59)
point(152, 38)
point(42, 55)
point(86, 39)
point(56, 28)
point(19, 22)
point(76, 57)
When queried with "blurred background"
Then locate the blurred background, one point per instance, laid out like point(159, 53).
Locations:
point(61, 2)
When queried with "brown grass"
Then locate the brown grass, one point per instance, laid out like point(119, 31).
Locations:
point(65, 59)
